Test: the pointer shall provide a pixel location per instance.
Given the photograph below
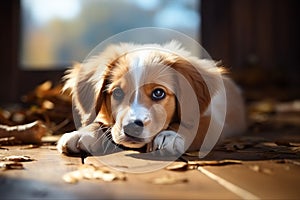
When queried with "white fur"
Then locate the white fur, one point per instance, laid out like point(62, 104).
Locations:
point(167, 142)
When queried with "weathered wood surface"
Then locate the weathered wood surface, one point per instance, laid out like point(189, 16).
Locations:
point(42, 179)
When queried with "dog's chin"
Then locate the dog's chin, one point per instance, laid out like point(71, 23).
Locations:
point(131, 142)
point(133, 145)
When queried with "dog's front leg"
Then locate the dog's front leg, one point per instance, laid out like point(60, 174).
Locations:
point(90, 139)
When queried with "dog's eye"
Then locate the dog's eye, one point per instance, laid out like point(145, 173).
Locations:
point(158, 94)
point(118, 94)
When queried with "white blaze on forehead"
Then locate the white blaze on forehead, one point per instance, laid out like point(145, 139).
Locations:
point(137, 67)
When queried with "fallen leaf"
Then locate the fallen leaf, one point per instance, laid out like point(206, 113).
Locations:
point(178, 166)
point(284, 161)
point(214, 162)
point(108, 177)
point(30, 146)
point(236, 145)
point(257, 168)
point(72, 177)
point(293, 106)
point(4, 148)
point(92, 172)
point(286, 143)
point(267, 171)
point(241, 143)
point(7, 139)
point(26, 133)
point(17, 158)
point(11, 165)
point(47, 105)
point(44, 86)
point(265, 106)
point(70, 163)
point(192, 154)
point(54, 148)
point(279, 149)
point(295, 149)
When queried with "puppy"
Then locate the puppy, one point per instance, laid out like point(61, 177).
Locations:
point(158, 96)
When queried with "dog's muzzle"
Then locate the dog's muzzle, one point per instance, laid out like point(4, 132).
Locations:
point(134, 130)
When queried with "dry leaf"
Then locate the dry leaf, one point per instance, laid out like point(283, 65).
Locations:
point(7, 140)
point(11, 165)
point(272, 147)
point(293, 106)
point(241, 143)
point(295, 149)
point(72, 177)
point(92, 172)
point(192, 154)
point(238, 145)
point(44, 86)
point(27, 133)
point(70, 163)
point(267, 171)
point(286, 143)
point(214, 162)
point(265, 106)
point(47, 105)
point(194, 164)
point(284, 161)
point(168, 180)
point(17, 158)
point(178, 166)
point(257, 168)
point(108, 177)
point(30, 146)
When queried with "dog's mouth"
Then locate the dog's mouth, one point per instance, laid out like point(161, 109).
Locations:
point(133, 142)
point(133, 139)
point(128, 140)
point(131, 135)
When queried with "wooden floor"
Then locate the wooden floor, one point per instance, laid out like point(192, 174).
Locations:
point(255, 173)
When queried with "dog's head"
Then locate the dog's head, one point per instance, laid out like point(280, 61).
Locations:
point(146, 89)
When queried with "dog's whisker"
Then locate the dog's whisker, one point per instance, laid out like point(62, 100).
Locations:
point(108, 146)
point(107, 140)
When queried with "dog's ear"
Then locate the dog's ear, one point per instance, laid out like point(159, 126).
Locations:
point(78, 81)
point(103, 104)
point(190, 80)
point(87, 82)
point(87, 86)
point(197, 81)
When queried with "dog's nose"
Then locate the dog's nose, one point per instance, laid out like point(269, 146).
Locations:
point(134, 129)
point(138, 123)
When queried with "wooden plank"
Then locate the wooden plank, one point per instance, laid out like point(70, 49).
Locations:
point(265, 179)
point(42, 179)
point(140, 186)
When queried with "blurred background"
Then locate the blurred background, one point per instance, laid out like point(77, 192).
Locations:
point(68, 30)
point(258, 40)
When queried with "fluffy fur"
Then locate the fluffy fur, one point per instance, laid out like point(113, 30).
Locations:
point(154, 95)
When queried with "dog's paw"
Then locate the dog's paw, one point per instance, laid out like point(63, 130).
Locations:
point(80, 141)
point(169, 143)
point(68, 143)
